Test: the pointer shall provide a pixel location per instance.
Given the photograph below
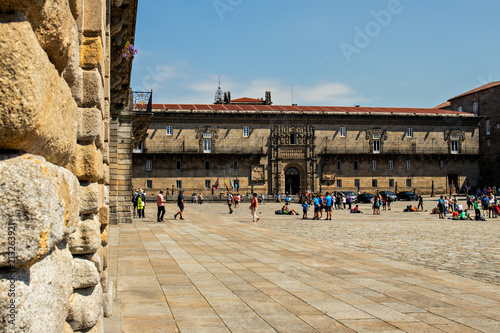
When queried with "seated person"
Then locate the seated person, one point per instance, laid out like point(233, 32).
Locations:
point(288, 211)
point(410, 208)
point(355, 210)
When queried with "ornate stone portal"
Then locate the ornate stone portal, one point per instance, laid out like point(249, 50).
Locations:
point(293, 147)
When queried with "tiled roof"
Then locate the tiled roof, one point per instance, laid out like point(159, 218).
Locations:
point(478, 89)
point(442, 105)
point(295, 108)
point(246, 100)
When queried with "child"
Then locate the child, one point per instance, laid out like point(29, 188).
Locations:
point(305, 207)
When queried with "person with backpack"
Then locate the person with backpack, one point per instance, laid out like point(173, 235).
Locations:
point(135, 195)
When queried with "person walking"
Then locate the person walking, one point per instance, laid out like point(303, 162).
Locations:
point(253, 208)
point(230, 199)
point(328, 206)
point(180, 204)
point(420, 203)
point(160, 203)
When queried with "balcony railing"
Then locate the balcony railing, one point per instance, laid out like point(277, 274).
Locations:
point(399, 150)
point(182, 148)
point(143, 101)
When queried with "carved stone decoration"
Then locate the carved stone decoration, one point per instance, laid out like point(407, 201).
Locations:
point(214, 131)
point(257, 173)
point(328, 173)
point(448, 135)
point(376, 131)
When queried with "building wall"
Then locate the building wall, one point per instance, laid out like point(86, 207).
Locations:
point(489, 108)
point(262, 163)
point(54, 165)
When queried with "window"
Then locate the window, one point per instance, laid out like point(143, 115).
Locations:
point(339, 182)
point(356, 165)
point(488, 127)
point(374, 165)
point(343, 132)
point(441, 164)
point(149, 184)
point(293, 139)
point(207, 165)
point(178, 183)
point(409, 132)
point(460, 108)
point(235, 165)
point(376, 144)
point(178, 166)
point(246, 131)
point(391, 182)
point(339, 165)
point(170, 130)
point(408, 165)
point(207, 184)
point(391, 165)
point(475, 108)
point(408, 183)
point(455, 147)
point(149, 165)
point(207, 142)
point(356, 182)
point(374, 183)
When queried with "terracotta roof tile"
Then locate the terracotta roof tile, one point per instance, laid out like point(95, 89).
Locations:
point(293, 108)
point(478, 89)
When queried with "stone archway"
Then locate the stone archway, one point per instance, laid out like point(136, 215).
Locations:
point(292, 181)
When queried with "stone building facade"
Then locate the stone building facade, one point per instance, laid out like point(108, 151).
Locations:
point(484, 101)
point(63, 85)
point(288, 149)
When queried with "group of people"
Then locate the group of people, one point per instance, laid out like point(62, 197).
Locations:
point(139, 202)
point(197, 198)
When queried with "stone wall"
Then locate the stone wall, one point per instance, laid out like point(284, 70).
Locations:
point(54, 165)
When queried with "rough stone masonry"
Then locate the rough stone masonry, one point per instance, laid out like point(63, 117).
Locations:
point(54, 163)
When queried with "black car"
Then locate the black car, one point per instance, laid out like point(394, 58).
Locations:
point(365, 197)
point(407, 195)
point(388, 194)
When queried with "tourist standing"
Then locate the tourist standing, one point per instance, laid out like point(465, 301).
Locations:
point(180, 204)
point(420, 203)
point(135, 195)
point(160, 203)
point(230, 202)
point(328, 206)
point(253, 207)
point(140, 205)
point(200, 199)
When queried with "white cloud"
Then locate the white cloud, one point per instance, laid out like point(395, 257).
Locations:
point(178, 83)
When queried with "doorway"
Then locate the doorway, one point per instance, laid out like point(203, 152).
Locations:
point(292, 181)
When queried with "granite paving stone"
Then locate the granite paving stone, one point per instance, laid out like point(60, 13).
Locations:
point(219, 272)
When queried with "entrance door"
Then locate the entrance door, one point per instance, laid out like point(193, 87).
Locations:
point(292, 181)
point(452, 181)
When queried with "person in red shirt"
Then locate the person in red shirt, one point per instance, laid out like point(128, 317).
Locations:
point(253, 207)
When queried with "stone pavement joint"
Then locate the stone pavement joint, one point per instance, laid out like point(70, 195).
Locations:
point(215, 272)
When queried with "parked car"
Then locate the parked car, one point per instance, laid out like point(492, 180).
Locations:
point(407, 195)
point(388, 194)
point(365, 197)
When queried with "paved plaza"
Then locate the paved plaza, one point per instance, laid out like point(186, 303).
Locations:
point(218, 272)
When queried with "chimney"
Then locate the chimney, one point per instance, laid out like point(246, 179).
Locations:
point(268, 98)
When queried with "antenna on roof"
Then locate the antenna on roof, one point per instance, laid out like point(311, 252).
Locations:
point(219, 95)
point(292, 95)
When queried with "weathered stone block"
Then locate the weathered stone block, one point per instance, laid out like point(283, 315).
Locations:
point(86, 163)
point(90, 125)
point(85, 274)
point(87, 237)
point(85, 308)
point(73, 73)
point(104, 237)
point(106, 176)
point(40, 207)
point(42, 293)
point(107, 301)
point(91, 199)
point(93, 16)
point(96, 259)
point(105, 153)
point(91, 52)
point(104, 279)
point(93, 94)
point(35, 99)
point(76, 7)
point(103, 254)
point(104, 216)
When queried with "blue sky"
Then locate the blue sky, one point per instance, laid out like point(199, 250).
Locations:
point(393, 53)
